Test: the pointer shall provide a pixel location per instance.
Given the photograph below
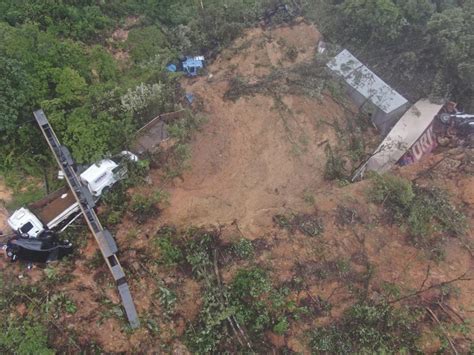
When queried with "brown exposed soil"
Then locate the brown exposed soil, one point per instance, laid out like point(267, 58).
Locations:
point(120, 36)
point(248, 162)
point(5, 196)
point(251, 161)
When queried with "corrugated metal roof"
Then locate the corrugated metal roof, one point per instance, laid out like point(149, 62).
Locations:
point(369, 85)
point(344, 63)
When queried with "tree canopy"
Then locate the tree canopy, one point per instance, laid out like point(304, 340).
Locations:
point(423, 47)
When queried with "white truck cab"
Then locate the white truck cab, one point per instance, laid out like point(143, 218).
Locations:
point(60, 208)
point(102, 175)
point(26, 223)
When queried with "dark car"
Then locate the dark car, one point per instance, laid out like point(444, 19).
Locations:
point(38, 250)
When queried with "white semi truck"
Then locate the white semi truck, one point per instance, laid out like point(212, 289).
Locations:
point(47, 213)
point(59, 209)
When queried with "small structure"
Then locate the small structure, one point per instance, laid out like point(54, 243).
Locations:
point(407, 142)
point(364, 87)
point(192, 65)
point(189, 65)
point(149, 137)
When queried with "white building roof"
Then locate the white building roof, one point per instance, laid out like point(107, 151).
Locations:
point(403, 135)
point(365, 82)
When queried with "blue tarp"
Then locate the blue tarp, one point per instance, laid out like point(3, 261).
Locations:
point(190, 97)
point(171, 68)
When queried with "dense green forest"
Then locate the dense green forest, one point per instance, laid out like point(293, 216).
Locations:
point(56, 55)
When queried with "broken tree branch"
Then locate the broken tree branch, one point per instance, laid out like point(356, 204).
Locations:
point(441, 284)
point(451, 309)
point(426, 277)
point(231, 319)
point(435, 318)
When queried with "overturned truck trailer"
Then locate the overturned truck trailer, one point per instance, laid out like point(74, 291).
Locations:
point(369, 91)
point(410, 138)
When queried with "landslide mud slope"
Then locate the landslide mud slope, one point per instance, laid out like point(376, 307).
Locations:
point(253, 159)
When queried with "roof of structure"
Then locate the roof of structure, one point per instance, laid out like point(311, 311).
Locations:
point(365, 82)
point(193, 62)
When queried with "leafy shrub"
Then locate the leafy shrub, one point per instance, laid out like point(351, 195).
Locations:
point(184, 127)
point(250, 300)
point(25, 196)
point(395, 193)
point(145, 206)
point(140, 98)
point(115, 202)
point(24, 337)
point(334, 168)
point(199, 251)
point(243, 248)
point(281, 327)
point(368, 328)
point(431, 211)
point(247, 291)
point(307, 224)
point(170, 253)
point(356, 147)
point(58, 304)
point(144, 43)
point(426, 211)
point(180, 154)
point(167, 299)
point(207, 332)
point(250, 283)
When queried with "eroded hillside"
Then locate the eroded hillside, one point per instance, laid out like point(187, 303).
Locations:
point(256, 249)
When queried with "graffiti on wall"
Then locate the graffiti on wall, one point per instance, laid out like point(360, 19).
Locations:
point(424, 145)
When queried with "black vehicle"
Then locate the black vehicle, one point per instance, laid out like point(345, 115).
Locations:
point(452, 122)
point(464, 123)
point(38, 250)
